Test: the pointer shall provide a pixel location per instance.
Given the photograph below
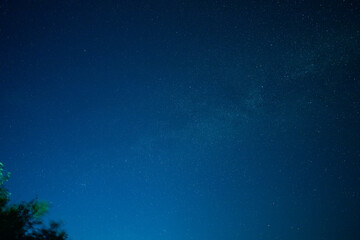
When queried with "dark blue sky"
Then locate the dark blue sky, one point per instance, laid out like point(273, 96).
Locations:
point(184, 120)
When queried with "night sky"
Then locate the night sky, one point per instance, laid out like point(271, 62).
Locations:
point(184, 120)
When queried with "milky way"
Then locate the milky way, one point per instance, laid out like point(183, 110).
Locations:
point(185, 120)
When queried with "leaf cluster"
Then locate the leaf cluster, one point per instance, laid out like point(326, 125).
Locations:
point(24, 221)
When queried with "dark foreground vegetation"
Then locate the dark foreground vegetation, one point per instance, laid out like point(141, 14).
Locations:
point(24, 221)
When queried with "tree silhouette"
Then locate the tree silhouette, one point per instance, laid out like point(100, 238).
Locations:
point(24, 221)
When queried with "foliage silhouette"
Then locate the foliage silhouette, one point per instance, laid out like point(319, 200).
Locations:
point(24, 221)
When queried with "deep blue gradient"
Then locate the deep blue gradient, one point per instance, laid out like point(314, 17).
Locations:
point(184, 120)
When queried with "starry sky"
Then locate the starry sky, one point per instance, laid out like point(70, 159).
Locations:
point(184, 120)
